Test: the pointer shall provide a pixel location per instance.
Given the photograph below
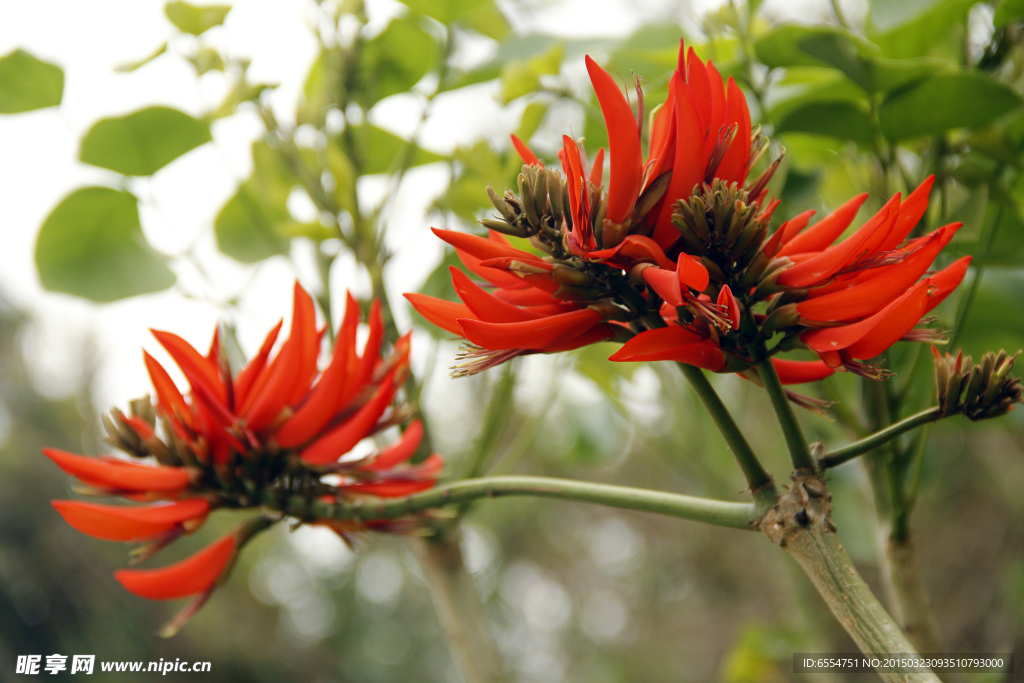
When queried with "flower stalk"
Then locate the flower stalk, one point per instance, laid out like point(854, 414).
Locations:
point(799, 452)
point(883, 436)
point(721, 513)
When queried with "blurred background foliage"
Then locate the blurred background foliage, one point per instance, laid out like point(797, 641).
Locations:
point(868, 96)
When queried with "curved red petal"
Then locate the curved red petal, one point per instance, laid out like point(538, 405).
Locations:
point(666, 284)
point(194, 363)
point(442, 313)
point(532, 334)
point(193, 575)
point(733, 168)
point(626, 160)
point(692, 272)
point(524, 151)
point(484, 305)
point(169, 399)
point(904, 312)
point(823, 233)
point(119, 523)
point(249, 374)
point(343, 438)
point(801, 371)
point(864, 297)
point(688, 165)
point(945, 281)
point(401, 450)
point(118, 474)
point(826, 264)
point(911, 211)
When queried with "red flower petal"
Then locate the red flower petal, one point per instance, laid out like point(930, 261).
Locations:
point(196, 574)
point(945, 281)
point(830, 261)
point(876, 333)
point(401, 450)
point(442, 313)
point(911, 211)
point(801, 371)
point(524, 151)
point(482, 248)
point(169, 399)
point(119, 474)
point(689, 162)
point(532, 334)
point(525, 297)
point(118, 523)
point(597, 170)
point(249, 374)
point(666, 284)
point(672, 343)
point(623, 144)
point(725, 298)
point(734, 164)
point(826, 231)
point(864, 297)
point(188, 359)
point(692, 272)
point(343, 438)
point(700, 84)
point(632, 250)
point(485, 306)
point(595, 334)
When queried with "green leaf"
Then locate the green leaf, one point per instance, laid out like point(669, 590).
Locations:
point(943, 102)
point(195, 19)
point(483, 16)
point(936, 31)
point(91, 245)
point(143, 142)
point(376, 150)
point(322, 89)
point(843, 120)
point(1008, 10)
point(522, 76)
point(796, 45)
point(207, 59)
point(395, 60)
point(255, 223)
point(132, 66)
point(892, 74)
point(486, 19)
point(841, 51)
point(28, 83)
point(246, 227)
point(531, 120)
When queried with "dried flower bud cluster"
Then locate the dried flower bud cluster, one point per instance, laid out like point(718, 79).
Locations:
point(978, 391)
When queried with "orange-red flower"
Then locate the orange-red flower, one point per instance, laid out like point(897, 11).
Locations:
point(277, 424)
point(682, 237)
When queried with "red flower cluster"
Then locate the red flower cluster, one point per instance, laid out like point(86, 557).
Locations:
point(548, 304)
point(276, 424)
point(676, 256)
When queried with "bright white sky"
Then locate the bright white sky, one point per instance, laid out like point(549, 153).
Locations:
point(38, 164)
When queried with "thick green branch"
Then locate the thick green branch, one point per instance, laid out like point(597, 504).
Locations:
point(798, 449)
point(722, 513)
point(868, 443)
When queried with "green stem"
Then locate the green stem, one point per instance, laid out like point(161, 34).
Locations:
point(761, 484)
point(846, 453)
point(799, 452)
point(721, 513)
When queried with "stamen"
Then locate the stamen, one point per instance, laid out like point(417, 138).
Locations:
point(473, 359)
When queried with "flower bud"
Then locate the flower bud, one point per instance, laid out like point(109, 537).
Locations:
point(501, 205)
point(506, 228)
point(782, 317)
point(978, 391)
